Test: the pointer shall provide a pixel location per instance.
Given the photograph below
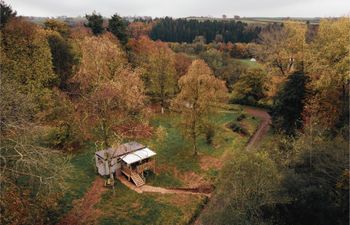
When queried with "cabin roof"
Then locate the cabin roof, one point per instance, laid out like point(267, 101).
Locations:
point(138, 155)
point(120, 150)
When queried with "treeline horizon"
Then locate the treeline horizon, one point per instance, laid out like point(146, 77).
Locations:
point(183, 30)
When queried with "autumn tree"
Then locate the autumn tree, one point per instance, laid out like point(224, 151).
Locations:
point(111, 93)
point(32, 175)
point(24, 79)
point(138, 29)
point(214, 58)
point(283, 47)
point(55, 25)
point(21, 39)
point(182, 63)
point(328, 69)
point(95, 23)
point(249, 184)
point(250, 87)
point(117, 26)
point(158, 64)
point(199, 92)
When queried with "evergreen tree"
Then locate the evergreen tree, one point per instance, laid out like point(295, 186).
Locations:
point(6, 13)
point(289, 104)
point(95, 23)
point(183, 30)
point(63, 58)
point(117, 26)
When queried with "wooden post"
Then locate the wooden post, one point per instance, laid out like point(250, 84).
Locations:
point(154, 166)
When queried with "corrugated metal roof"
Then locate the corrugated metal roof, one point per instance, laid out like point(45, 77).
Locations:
point(120, 150)
point(138, 155)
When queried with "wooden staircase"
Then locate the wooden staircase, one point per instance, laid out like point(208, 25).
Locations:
point(137, 179)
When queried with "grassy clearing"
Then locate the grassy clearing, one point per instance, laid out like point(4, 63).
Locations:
point(248, 63)
point(128, 207)
point(175, 155)
point(251, 123)
point(83, 175)
point(174, 159)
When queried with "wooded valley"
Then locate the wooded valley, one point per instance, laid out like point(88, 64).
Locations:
point(250, 122)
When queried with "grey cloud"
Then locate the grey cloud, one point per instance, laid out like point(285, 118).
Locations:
point(182, 8)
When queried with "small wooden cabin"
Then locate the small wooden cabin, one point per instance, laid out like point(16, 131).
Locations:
point(130, 159)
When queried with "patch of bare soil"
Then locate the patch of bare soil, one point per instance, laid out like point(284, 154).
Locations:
point(83, 211)
point(207, 162)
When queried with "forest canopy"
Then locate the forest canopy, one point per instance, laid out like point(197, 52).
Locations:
point(183, 30)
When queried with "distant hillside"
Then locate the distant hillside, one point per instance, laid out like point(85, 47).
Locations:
point(257, 20)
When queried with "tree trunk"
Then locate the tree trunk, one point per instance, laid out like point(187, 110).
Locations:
point(194, 138)
point(195, 148)
point(105, 134)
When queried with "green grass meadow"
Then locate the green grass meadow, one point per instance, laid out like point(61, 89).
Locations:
point(174, 156)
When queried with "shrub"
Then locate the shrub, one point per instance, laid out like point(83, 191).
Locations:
point(235, 127)
point(209, 135)
point(241, 117)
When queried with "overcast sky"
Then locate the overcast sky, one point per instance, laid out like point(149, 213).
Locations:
point(183, 8)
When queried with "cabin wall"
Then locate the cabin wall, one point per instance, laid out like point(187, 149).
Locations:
point(100, 165)
point(103, 167)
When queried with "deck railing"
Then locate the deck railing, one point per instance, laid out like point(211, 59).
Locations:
point(150, 165)
point(145, 166)
point(126, 171)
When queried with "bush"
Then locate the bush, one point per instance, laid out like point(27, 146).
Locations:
point(241, 117)
point(61, 137)
point(235, 127)
point(247, 184)
point(209, 135)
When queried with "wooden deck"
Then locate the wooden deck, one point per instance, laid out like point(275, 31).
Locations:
point(136, 174)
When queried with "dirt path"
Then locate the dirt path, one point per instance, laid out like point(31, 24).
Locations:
point(263, 127)
point(83, 211)
point(161, 190)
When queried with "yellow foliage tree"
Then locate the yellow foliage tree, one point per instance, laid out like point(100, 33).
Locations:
point(111, 93)
point(200, 90)
point(327, 65)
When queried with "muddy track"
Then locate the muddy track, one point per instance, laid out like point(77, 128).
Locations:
point(263, 127)
point(83, 211)
point(260, 132)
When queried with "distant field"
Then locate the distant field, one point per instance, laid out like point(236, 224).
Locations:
point(248, 63)
point(262, 20)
